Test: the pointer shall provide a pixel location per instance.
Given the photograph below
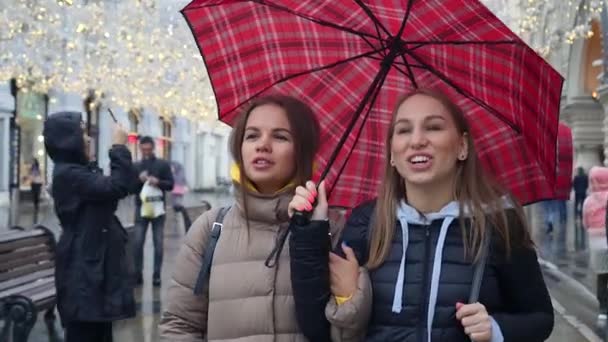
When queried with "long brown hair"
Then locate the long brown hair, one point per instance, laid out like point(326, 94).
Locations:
point(304, 130)
point(474, 190)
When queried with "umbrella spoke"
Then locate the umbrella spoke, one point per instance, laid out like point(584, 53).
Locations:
point(463, 92)
point(315, 20)
point(370, 98)
point(410, 71)
point(306, 72)
point(371, 45)
point(372, 93)
point(371, 15)
point(420, 44)
point(408, 11)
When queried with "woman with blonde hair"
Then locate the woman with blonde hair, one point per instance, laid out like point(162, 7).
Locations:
point(419, 242)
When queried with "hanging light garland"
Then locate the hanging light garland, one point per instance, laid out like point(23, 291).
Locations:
point(136, 53)
point(561, 21)
point(140, 53)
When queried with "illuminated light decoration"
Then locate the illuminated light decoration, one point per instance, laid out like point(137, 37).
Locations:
point(133, 54)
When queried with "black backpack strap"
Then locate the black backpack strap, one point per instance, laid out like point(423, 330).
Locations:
point(480, 266)
point(216, 230)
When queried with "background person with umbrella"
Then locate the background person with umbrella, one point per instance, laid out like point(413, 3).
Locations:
point(421, 238)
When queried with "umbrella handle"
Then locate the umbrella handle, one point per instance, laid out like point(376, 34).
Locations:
point(301, 218)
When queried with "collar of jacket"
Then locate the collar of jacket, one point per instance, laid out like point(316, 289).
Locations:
point(235, 175)
point(261, 208)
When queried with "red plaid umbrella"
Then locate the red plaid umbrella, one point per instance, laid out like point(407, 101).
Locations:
point(565, 155)
point(351, 60)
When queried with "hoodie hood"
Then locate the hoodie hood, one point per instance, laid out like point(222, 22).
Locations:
point(63, 138)
point(598, 179)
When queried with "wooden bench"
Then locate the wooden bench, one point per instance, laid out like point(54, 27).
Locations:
point(27, 282)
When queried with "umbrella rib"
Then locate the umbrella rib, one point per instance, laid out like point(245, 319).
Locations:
point(402, 71)
point(371, 15)
point(460, 42)
point(380, 78)
point(314, 20)
point(376, 84)
point(313, 70)
point(372, 45)
point(445, 79)
point(410, 71)
point(408, 11)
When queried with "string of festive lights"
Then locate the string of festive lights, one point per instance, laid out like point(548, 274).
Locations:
point(140, 53)
point(560, 21)
point(136, 53)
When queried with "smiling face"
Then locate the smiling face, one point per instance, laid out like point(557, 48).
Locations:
point(426, 144)
point(268, 149)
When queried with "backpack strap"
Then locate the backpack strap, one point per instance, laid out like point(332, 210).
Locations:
point(480, 266)
point(216, 230)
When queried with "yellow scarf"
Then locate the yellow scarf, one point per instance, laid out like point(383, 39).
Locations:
point(235, 174)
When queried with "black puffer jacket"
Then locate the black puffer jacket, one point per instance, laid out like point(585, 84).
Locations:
point(513, 290)
point(91, 274)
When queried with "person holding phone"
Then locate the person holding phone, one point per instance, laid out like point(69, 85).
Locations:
point(91, 267)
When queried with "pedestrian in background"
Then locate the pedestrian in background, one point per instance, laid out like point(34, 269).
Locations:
point(91, 268)
point(35, 178)
point(580, 183)
point(154, 173)
point(180, 188)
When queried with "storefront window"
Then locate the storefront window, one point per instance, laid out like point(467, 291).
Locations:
point(163, 144)
point(31, 112)
point(134, 115)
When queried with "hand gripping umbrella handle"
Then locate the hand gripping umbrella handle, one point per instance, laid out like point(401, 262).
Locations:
point(301, 218)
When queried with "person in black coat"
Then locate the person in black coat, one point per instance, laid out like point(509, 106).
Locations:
point(420, 244)
point(91, 269)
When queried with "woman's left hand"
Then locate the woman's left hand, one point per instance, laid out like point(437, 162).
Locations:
point(475, 320)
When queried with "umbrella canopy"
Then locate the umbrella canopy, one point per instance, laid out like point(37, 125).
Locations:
point(565, 156)
point(351, 61)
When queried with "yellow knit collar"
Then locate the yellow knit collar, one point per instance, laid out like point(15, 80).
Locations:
point(235, 174)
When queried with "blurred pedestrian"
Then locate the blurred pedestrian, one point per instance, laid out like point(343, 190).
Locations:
point(550, 214)
point(580, 185)
point(35, 178)
point(155, 174)
point(180, 188)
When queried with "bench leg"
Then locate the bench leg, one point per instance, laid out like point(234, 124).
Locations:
point(49, 321)
point(21, 315)
point(6, 327)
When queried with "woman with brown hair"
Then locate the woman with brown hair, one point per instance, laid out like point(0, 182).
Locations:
point(247, 295)
point(420, 240)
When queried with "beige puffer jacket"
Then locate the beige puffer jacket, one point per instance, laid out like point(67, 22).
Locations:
point(246, 301)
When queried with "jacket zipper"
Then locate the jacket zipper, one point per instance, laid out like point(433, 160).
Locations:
point(425, 283)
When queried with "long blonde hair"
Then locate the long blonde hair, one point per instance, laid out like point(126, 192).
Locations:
point(474, 190)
